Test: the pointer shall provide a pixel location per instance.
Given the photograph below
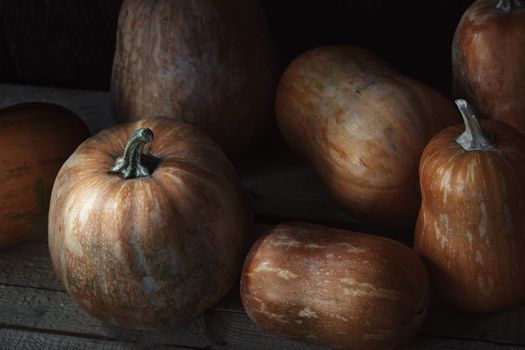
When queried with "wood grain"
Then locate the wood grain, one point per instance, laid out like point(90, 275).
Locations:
point(33, 339)
point(432, 343)
point(55, 311)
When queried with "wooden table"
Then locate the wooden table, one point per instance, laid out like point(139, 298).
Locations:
point(36, 312)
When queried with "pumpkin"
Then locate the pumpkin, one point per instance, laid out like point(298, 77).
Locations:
point(471, 227)
point(35, 139)
point(335, 287)
point(363, 127)
point(488, 59)
point(148, 240)
point(209, 63)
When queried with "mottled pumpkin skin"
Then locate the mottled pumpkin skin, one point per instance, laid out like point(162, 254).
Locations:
point(471, 228)
point(488, 60)
point(35, 140)
point(363, 127)
point(153, 251)
point(209, 63)
point(335, 287)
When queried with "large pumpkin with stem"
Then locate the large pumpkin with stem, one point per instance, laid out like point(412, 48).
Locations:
point(471, 227)
point(208, 62)
point(35, 140)
point(363, 126)
point(488, 60)
point(146, 240)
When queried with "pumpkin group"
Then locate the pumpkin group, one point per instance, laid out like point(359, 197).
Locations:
point(488, 60)
point(335, 287)
point(363, 126)
point(147, 240)
point(35, 139)
point(471, 228)
point(209, 63)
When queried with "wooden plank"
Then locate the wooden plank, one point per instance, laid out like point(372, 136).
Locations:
point(16, 339)
point(33, 340)
point(30, 266)
point(50, 311)
point(435, 343)
point(498, 327)
point(442, 322)
point(93, 107)
point(55, 311)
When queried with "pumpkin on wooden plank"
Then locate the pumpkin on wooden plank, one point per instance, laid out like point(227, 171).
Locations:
point(362, 126)
point(209, 63)
point(35, 140)
point(335, 287)
point(488, 58)
point(471, 227)
point(148, 239)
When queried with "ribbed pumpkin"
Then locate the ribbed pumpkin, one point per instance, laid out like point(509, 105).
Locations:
point(363, 126)
point(147, 240)
point(35, 140)
point(209, 63)
point(488, 56)
point(335, 287)
point(471, 228)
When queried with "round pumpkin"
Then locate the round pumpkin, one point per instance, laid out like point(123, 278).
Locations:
point(488, 60)
point(148, 239)
point(209, 63)
point(335, 287)
point(35, 139)
point(471, 227)
point(363, 126)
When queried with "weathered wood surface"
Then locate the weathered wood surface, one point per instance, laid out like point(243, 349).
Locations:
point(36, 312)
point(32, 300)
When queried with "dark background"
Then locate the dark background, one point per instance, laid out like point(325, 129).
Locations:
point(70, 43)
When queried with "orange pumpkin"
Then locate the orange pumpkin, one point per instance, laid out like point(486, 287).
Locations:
point(471, 227)
point(35, 139)
point(488, 56)
point(147, 240)
point(209, 63)
point(363, 126)
point(335, 287)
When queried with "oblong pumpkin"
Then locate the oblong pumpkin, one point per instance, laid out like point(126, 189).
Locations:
point(35, 140)
point(335, 287)
point(488, 60)
point(209, 63)
point(152, 245)
point(363, 127)
point(471, 227)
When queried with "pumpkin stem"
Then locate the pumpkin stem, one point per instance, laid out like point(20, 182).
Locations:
point(472, 139)
point(509, 5)
point(129, 166)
